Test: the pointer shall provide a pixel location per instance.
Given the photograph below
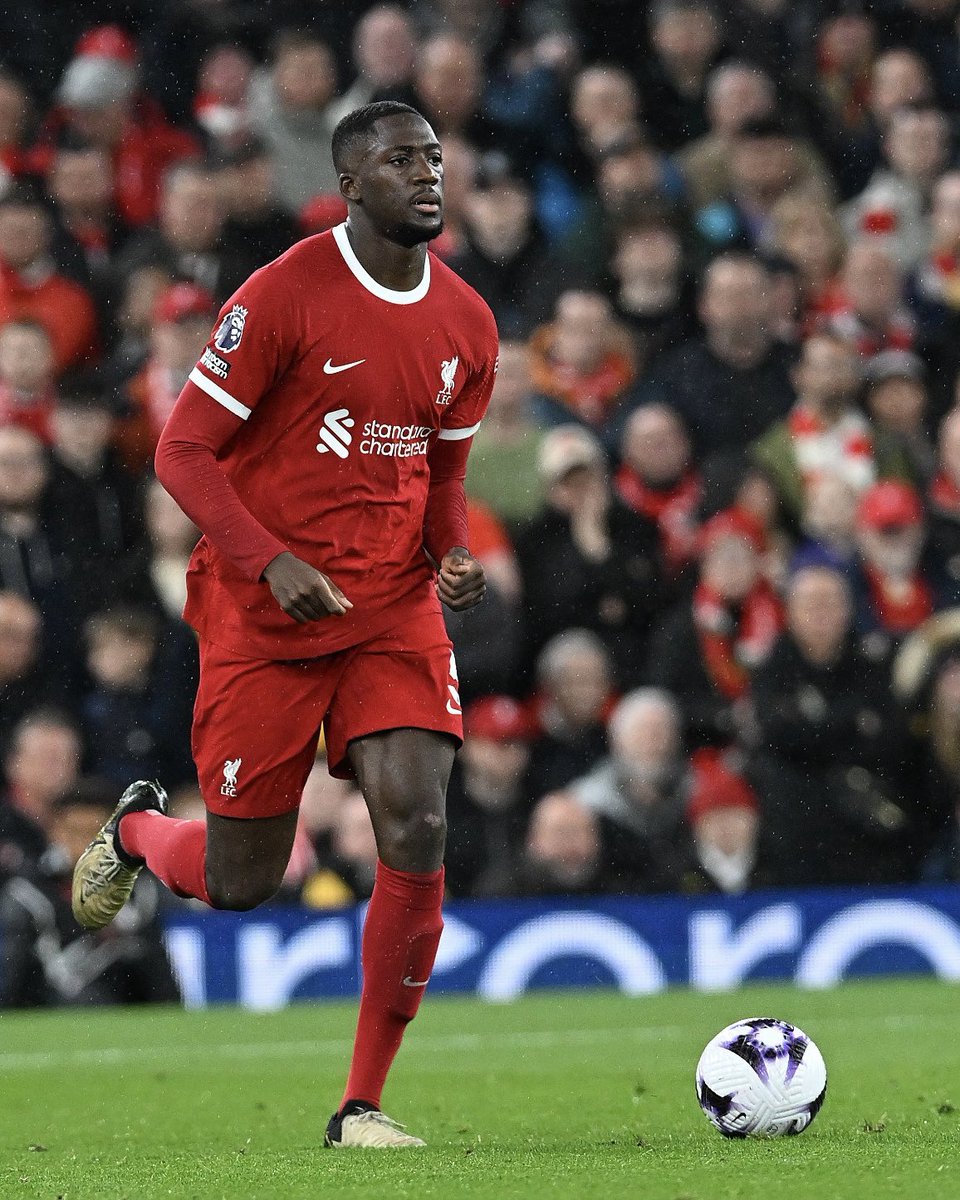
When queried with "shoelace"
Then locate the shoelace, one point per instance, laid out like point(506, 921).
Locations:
point(378, 1118)
point(102, 875)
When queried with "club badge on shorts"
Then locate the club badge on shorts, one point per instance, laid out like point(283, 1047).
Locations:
point(230, 769)
point(231, 329)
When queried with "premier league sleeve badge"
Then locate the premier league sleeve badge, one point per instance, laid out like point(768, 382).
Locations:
point(231, 329)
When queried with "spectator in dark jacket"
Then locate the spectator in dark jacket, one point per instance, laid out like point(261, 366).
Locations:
point(828, 745)
point(588, 560)
point(48, 959)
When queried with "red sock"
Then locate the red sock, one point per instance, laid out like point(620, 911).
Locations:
point(175, 851)
point(400, 939)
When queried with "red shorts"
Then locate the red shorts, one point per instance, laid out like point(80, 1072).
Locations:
point(256, 722)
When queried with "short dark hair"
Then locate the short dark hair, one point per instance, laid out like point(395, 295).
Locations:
point(357, 124)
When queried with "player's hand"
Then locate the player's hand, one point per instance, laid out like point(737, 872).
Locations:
point(461, 582)
point(302, 591)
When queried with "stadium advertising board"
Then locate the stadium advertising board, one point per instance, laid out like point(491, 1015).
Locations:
point(500, 949)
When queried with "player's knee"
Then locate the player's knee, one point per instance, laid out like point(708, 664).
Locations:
point(239, 894)
point(419, 835)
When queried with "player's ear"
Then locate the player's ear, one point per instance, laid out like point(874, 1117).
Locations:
point(349, 188)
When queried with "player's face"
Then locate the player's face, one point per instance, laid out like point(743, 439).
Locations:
point(399, 181)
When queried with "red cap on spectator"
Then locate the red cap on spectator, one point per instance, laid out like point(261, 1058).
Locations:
point(499, 718)
point(182, 300)
point(888, 505)
point(715, 786)
point(322, 213)
point(732, 522)
point(107, 41)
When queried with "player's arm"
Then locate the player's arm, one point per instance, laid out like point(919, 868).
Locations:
point(256, 339)
point(460, 578)
point(187, 466)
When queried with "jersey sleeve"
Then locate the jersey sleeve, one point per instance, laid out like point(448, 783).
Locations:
point(445, 517)
point(462, 419)
point(256, 338)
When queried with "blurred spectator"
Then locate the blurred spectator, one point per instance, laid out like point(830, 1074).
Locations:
point(502, 469)
point(894, 590)
point(488, 802)
point(657, 477)
point(384, 50)
point(724, 818)
point(897, 403)
point(505, 255)
point(934, 287)
point(88, 481)
point(653, 297)
point(39, 557)
point(187, 240)
point(763, 166)
point(182, 317)
point(14, 115)
point(685, 39)
point(348, 871)
point(845, 49)
point(581, 362)
point(448, 90)
point(26, 376)
point(707, 648)
point(737, 93)
point(645, 794)
point(48, 960)
point(31, 287)
point(893, 208)
point(80, 182)
point(156, 576)
point(828, 744)
point(25, 680)
point(136, 299)
point(604, 107)
point(290, 108)
point(828, 523)
point(805, 231)
point(41, 761)
point(943, 500)
point(588, 560)
point(825, 432)
point(573, 698)
point(255, 230)
point(731, 384)
point(137, 710)
point(563, 853)
point(866, 305)
point(99, 102)
point(220, 101)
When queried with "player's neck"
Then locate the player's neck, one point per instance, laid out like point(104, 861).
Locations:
point(399, 268)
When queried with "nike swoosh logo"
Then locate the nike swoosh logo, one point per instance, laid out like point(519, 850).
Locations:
point(330, 369)
point(408, 982)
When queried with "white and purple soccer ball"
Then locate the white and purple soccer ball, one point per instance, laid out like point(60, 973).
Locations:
point(761, 1077)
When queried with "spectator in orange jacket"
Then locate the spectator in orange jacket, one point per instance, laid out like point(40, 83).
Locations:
point(31, 287)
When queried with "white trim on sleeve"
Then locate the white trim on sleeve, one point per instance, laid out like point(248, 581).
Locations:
point(216, 392)
point(457, 435)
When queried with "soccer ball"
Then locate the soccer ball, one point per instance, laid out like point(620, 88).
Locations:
point(761, 1077)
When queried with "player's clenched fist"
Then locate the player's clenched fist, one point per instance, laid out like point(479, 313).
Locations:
point(302, 591)
point(461, 583)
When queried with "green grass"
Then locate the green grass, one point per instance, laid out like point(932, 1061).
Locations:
point(572, 1095)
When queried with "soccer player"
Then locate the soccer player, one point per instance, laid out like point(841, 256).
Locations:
point(320, 444)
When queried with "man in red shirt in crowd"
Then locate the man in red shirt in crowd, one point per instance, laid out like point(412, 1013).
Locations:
point(320, 444)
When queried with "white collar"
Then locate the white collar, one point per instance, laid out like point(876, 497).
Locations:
point(364, 277)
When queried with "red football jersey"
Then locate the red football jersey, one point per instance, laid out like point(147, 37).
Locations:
point(340, 388)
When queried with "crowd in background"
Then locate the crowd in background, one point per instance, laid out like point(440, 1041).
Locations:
point(717, 493)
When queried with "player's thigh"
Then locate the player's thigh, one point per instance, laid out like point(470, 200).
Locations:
point(255, 731)
point(247, 857)
point(404, 680)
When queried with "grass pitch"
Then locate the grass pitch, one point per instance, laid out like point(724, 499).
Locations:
point(563, 1096)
